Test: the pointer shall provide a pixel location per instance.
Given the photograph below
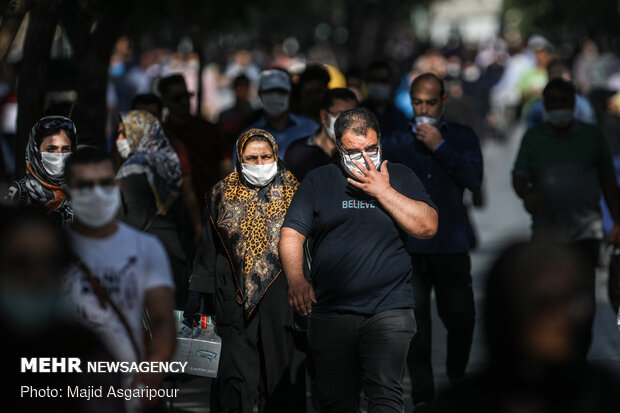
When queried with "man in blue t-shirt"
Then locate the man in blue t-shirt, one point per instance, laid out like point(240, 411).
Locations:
point(447, 158)
point(358, 215)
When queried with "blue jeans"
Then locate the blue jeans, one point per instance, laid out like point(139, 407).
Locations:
point(367, 352)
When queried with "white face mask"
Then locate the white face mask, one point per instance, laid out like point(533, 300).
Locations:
point(54, 163)
point(425, 119)
point(259, 175)
point(97, 207)
point(274, 104)
point(330, 128)
point(349, 166)
point(560, 118)
point(379, 92)
point(124, 149)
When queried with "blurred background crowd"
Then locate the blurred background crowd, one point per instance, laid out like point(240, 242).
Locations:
point(492, 53)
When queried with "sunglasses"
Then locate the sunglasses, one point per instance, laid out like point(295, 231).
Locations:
point(86, 186)
point(54, 123)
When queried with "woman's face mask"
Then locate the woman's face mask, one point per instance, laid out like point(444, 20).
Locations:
point(259, 175)
point(54, 163)
point(123, 147)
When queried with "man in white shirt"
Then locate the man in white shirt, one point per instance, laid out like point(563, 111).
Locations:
point(130, 266)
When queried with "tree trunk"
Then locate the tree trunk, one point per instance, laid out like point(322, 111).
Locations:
point(93, 50)
point(12, 19)
point(32, 82)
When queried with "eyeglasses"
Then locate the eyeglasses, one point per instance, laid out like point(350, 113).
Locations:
point(356, 154)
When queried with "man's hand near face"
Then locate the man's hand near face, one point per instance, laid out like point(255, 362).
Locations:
point(429, 135)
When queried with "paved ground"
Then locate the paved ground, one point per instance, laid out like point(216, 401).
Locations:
point(500, 221)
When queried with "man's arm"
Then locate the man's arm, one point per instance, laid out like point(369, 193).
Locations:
point(524, 189)
point(191, 206)
point(159, 303)
point(300, 292)
point(609, 186)
point(416, 218)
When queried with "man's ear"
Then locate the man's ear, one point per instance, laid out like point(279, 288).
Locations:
point(323, 116)
point(444, 99)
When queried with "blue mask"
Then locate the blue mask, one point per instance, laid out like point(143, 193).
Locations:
point(29, 311)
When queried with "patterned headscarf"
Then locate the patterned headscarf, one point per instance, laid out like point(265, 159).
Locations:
point(151, 154)
point(45, 190)
point(253, 133)
point(248, 221)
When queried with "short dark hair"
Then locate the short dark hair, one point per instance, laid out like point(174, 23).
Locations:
point(379, 64)
point(146, 99)
point(425, 77)
point(561, 85)
point(355, 72)
point(314, 71)
point(166, 82)
point(239, 80)
point(341, 93)
point(359, 119)
point(85, 156)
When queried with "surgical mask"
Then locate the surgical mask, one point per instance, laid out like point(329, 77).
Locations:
point(379, 92)
point(274, 104)
point(560, 118)
point(54, 163)
point(123, 147)
point(347, 161)
point(330, 128)
point(425, 119)
point(96, 207)
point(30, 311)
point(259, 175)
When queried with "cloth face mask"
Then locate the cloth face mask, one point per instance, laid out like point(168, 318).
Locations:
point(96, 207)
point(259, 175)
point(124, 149)
point(54, 163)
point(349, 166)
point(275, 104)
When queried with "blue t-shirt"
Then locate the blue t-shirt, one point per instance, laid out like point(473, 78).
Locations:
point(359, 260)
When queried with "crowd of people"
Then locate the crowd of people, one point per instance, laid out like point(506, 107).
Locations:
point(316, 228)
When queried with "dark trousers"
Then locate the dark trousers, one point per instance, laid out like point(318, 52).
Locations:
point(260, 363)
point(589, 251)
point(450, 275)
point(368, 352)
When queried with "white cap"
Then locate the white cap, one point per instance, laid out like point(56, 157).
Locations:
point(274, 79)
